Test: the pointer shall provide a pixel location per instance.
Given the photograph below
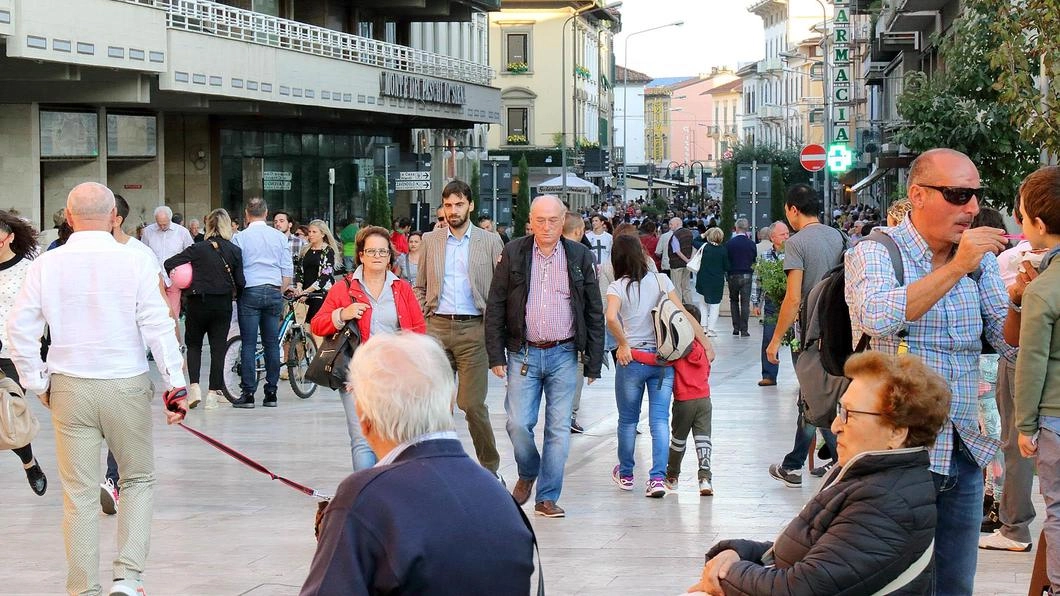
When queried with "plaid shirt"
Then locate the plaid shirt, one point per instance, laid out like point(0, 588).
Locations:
point(297, 244)
point(757, 294)
point(947, 337)
point(549, 316)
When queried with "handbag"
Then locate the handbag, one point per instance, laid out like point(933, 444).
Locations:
point(228, 270)
point(18, 425)
point(332, 361)
point(696, 261)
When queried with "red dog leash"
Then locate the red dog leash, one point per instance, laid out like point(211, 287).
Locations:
point(255, 465)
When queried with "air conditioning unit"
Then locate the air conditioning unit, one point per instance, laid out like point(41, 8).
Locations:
point(901, 38)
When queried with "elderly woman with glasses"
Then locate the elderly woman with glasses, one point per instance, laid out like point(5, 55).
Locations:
point(380, 303)
point(870, 528)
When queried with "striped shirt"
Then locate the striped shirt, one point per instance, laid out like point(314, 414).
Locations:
point(549, 316)
point(947, 337)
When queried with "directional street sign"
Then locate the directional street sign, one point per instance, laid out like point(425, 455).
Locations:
point(813, 158)
point(400, 184)
point(414, 176)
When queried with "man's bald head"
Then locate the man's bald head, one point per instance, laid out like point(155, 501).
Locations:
point(549, 203)
point(928, 164)
point(90, 206)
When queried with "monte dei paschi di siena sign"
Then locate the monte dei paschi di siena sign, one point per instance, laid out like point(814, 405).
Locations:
point(412, 87)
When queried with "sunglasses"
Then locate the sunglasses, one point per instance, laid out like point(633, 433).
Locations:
point(843, 413)
point(956, 195)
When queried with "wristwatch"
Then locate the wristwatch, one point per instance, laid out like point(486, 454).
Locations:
point(1015, 306)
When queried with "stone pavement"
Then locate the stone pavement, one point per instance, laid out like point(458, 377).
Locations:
point(222, 529)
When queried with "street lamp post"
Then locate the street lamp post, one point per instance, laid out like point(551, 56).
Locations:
point(625, 96)
point(563, 85)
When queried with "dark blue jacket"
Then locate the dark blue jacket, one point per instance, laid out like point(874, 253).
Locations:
point(433, 522)
point(742, 254)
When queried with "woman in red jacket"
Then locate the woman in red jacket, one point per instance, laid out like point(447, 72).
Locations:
point(380, 302)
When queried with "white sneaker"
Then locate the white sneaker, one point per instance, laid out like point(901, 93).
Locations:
point(211, 401)
point(997, 541)
point(712, 333)
point(284, 375)
point(128, 587)
point(108, 497)
point(705, 488)
point(194, 395)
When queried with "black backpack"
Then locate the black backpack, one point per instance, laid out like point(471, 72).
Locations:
point(825, 341)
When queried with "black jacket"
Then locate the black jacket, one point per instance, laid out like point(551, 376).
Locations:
point(505, 323)
point(208, 275)
point(867, 525)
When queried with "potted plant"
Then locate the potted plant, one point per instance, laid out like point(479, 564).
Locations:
point(518, 67)
point(517, 140)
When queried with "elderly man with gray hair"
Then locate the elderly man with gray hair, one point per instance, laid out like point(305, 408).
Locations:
point(167, 238)
point(99, 299)
point(426, 519)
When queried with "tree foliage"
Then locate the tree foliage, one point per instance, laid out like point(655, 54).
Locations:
point(786, 170)
point(960, 108)
point(1024, 47)
point(476, 184)
point(379, 204)
point(778, 191)
point(522, 201)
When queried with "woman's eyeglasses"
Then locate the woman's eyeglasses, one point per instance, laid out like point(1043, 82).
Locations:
point(843, 413)
point(377, 252)
point(956, 195)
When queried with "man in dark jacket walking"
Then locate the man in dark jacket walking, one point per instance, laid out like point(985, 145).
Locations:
point(742, 254)
point(544, 307)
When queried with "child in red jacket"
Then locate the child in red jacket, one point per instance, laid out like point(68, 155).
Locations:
point(691, 412)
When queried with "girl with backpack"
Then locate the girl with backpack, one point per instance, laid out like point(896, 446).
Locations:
point(630, 300)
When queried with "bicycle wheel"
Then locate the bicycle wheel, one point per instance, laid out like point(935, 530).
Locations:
point(230, 372)
point(300, 352)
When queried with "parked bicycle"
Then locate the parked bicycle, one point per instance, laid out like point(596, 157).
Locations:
point(297, 347)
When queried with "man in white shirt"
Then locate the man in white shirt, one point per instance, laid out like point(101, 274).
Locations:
point(166, 239)
point(600, 240)
point(98, 299)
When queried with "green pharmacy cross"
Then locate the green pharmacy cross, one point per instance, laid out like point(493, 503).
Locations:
point(840, 158)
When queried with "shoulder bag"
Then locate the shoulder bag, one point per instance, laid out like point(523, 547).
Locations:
point(228, 270)
point(18, 425)
point(332, 361)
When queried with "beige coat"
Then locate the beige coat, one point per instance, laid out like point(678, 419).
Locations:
point(485, 251)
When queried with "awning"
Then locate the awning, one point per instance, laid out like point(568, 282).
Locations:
point(574, 184)
point(874, 176)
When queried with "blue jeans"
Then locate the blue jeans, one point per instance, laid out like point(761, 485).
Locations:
point(363, 456)
point(960, 513)
point(804, 440)
point(348, 263)
point(553, 371)
point(260, 308)
point(630, 382)
point(769, 310)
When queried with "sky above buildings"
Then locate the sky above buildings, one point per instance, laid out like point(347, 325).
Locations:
point(715, 33)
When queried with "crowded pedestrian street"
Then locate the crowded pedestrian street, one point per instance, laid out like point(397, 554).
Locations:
point(221, 528)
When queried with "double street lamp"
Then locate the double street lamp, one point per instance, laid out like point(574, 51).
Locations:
point(625, 96)
point(563, 87)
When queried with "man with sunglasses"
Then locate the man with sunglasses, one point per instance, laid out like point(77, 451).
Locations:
point(952, 298)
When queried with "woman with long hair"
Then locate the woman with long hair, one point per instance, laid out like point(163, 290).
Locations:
point(380, 303)
point(316, 270)
point(710, 281)
point(630, 299)
point(216, 279)
point(410, 262)
point(17, 247)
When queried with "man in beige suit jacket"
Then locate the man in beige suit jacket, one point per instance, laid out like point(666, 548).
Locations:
point(456, 270)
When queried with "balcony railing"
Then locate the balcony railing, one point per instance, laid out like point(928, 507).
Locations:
point(219, 20)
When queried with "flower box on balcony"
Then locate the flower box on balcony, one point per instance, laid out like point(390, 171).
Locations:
point(517, 140)
point(518, 67)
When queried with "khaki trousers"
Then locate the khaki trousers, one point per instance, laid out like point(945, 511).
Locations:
point(85, 412)
point(465, 345)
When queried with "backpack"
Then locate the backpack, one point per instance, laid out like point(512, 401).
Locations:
point(674, 333)
point(826, 339)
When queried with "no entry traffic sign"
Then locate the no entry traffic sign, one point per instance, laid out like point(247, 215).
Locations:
point(813, 158)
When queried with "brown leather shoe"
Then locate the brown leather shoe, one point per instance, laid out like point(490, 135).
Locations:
point(767, 383)
point(521, 492)
point(549, 509)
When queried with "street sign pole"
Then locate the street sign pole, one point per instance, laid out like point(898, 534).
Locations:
point(754, 196)
point(331, 198)
point(494, 213)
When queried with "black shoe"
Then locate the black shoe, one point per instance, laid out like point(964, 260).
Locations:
point(575, 427)
point(822, 470)
point(991, 521)
point(37, 480)
point(988, 503)
point(735, 332)
point(245, 402)
point(269, 401)
point(745, 334)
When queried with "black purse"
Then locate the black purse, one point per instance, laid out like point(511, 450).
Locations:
point(332, 362)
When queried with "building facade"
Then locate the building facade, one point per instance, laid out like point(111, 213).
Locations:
point(629, 116)
point(198, 104)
